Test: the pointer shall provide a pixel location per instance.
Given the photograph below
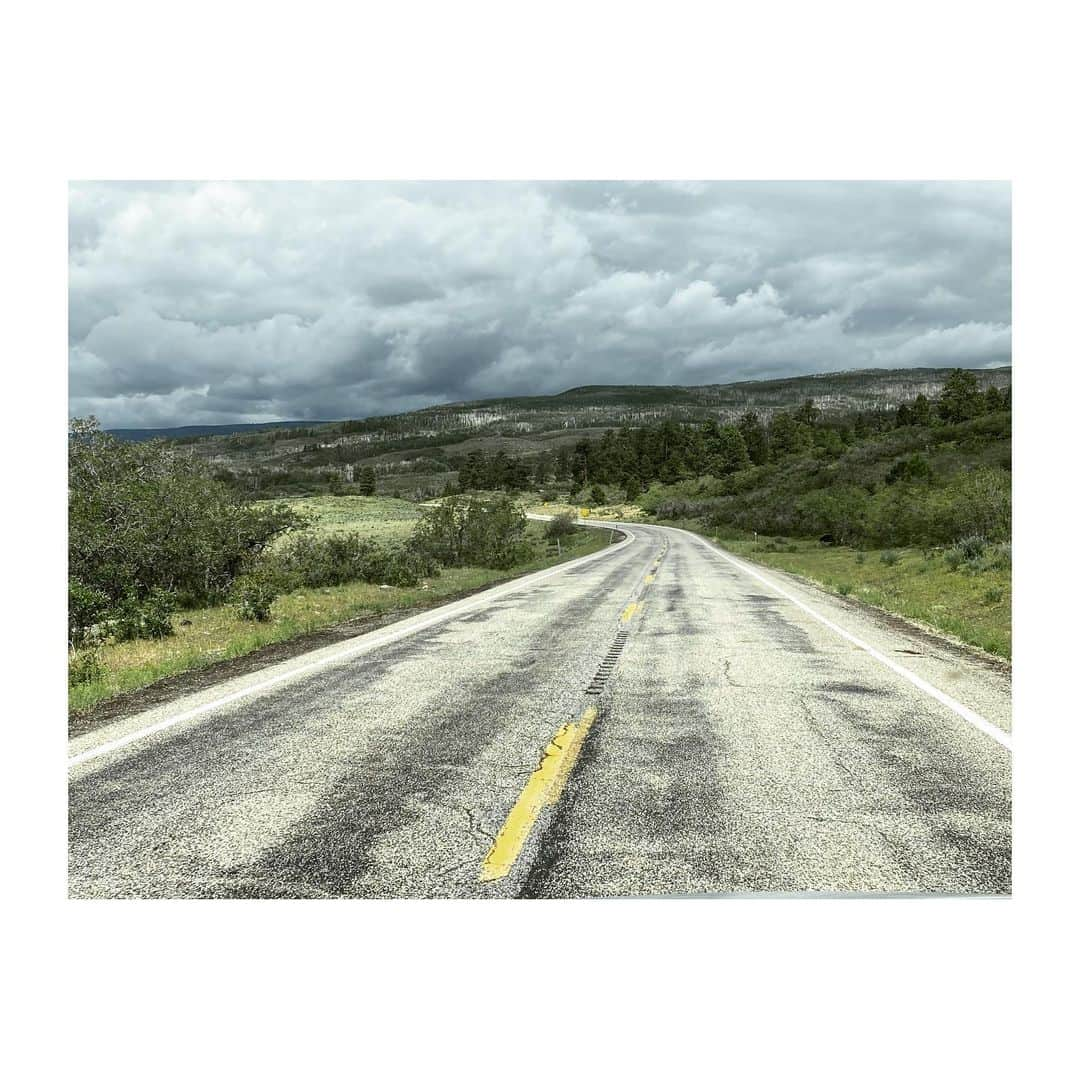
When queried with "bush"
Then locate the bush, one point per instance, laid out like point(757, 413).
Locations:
point(467, 531)
point(84, 665)
point(844, 588)
point(149, 616)
point(561, 525)
point(890, 558)
point(975, 503)
point(254, 594)
point(976, 554)
point(319, 561)
point(142, 517)
point(994, 595)
point(915, 467)
point(87, 609)
point(971, 547)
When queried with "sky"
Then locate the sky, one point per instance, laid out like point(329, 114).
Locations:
point(215, 303)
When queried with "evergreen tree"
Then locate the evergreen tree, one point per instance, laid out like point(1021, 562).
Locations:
point(921, 412)
point(365, 481)
point(755, 438)
point(730, 453)
point(960, 397)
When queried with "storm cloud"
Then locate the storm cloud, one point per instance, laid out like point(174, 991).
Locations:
point(230, 302)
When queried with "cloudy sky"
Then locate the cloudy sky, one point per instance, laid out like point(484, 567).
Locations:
point(196, 303)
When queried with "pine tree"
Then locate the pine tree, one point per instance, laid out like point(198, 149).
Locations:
point(365, 482)
point(960, 397)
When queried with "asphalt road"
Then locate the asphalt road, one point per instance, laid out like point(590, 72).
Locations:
point(656, 719)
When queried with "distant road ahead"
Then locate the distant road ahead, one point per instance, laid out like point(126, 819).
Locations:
point(655, 719)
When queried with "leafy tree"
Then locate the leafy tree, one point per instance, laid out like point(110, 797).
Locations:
point(787, 435)
point(467, 531)
point(960, 397)
point(144, 519)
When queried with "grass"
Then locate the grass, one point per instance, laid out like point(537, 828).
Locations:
point(614, 512)
point(975, 607)
point(375, 517)
point(217, 633)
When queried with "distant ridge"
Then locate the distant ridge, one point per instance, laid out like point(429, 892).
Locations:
point(611, 405)
point(198, 430)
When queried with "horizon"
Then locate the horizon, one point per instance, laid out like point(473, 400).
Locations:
point(479, 401)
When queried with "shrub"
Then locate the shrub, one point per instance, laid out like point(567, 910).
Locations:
point(975, 503)
point(318, 561)
point(954, 558)
point(839, 511)
point(915, 467)
point(994, 595)
point(844, 588)
point(149, 616)
point(143, 517)
point(84, 665)
point(974, 553)
point(87, 609)
point(890, 558)
point(560, 525)
point(860, 557)
point(468, 531)
point(254, 594)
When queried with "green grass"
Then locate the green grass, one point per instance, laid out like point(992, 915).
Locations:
point(375, 517)
point(975, 607)
point(216, 634)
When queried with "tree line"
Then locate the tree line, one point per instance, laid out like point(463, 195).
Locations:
point(669, 452)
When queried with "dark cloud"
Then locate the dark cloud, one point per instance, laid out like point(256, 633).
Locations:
point(193, 303)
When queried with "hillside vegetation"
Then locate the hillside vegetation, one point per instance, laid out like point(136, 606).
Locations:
point(421, 454)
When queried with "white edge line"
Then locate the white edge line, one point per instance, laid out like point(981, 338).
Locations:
point(963, 711)
point(361, 647)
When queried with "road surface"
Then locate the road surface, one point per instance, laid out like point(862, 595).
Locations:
point(656, 719)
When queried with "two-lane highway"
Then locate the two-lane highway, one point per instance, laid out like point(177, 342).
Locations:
point(655, 719)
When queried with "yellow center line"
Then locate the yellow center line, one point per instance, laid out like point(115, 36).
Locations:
point(628, 611)
point(543, 788)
